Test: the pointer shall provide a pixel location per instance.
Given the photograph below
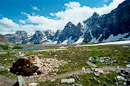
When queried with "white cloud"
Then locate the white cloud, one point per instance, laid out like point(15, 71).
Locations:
point(33, 13)
point(22, 21)
point(72, 5)
point(35, 8)
point(74, 12)
point(7, 25)
point(24, 13)
point(52, 14)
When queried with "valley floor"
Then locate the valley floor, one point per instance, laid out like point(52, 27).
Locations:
point(111, 56)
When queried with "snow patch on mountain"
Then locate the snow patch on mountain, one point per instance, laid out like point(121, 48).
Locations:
point(79, 41)
point(118, 37)
point(68, 41)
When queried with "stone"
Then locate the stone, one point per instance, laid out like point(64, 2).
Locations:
point(20, 81)
point(98, 81)
point(53, 80)
point(91, 59)
point(83, 68)
point(99, 70)
point(125, 62)
point(97, 74)
point(114, 61)
point(125, 46)
point(118, 71)
point(124, 84)
point(78, 85)
point(93, 79)
point(127, 71)
point(74, 76)
point(128, 66)
point(33, 84)
point(119, 78)
point(101, 59)
point(128, 79)
point(69, 81)
point(91, 64)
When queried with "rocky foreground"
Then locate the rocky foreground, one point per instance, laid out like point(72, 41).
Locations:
point(32, 65)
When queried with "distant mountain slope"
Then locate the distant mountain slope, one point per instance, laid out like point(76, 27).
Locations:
point(2, 39)
point(38, 38)
point(109, 27)
point(18, 37)
point(71, 33)
point(113, 26)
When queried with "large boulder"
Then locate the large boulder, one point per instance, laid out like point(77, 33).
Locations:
point(32, 65)
point(26, 65)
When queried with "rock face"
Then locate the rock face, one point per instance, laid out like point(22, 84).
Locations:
point(18, 37)
point(50, 34)
point(71, 33)
point(38, 38)
point(109, 27)
point(2, 39)
point(33, 65)
point(56, 36)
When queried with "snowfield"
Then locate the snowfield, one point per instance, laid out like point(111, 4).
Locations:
point(108, 43)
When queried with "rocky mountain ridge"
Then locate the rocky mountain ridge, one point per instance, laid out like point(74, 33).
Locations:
point(113, 26)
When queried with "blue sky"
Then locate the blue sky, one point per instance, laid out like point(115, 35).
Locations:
point(32, 15)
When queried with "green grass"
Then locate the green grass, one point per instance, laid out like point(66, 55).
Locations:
point(75, 56)
point(105, 80)
point(4, 71)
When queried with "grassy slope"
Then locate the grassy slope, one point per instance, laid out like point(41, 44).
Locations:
point(75, 56)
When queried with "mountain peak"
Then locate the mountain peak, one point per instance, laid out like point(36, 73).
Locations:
point(95, 15)
point(79, 24)
point(69, 23)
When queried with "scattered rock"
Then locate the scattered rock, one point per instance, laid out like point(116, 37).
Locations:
point(53, 80)
point(33, 84)
point(128, 66)
point(99, 70)
point(124, 84)
point(77, 85)
point(125, 46)
point(114, 61)
point(118, 71)
point(74, 76)
point(91, 59)
point(97, 74)
point(125, 62)
point(120, 78)
point(71, 80)
point(127, 71)
point(83, 68)
point(98, 81)
point(93, 79)
point(20, 81)
point(91, 64)
point(123, 78)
